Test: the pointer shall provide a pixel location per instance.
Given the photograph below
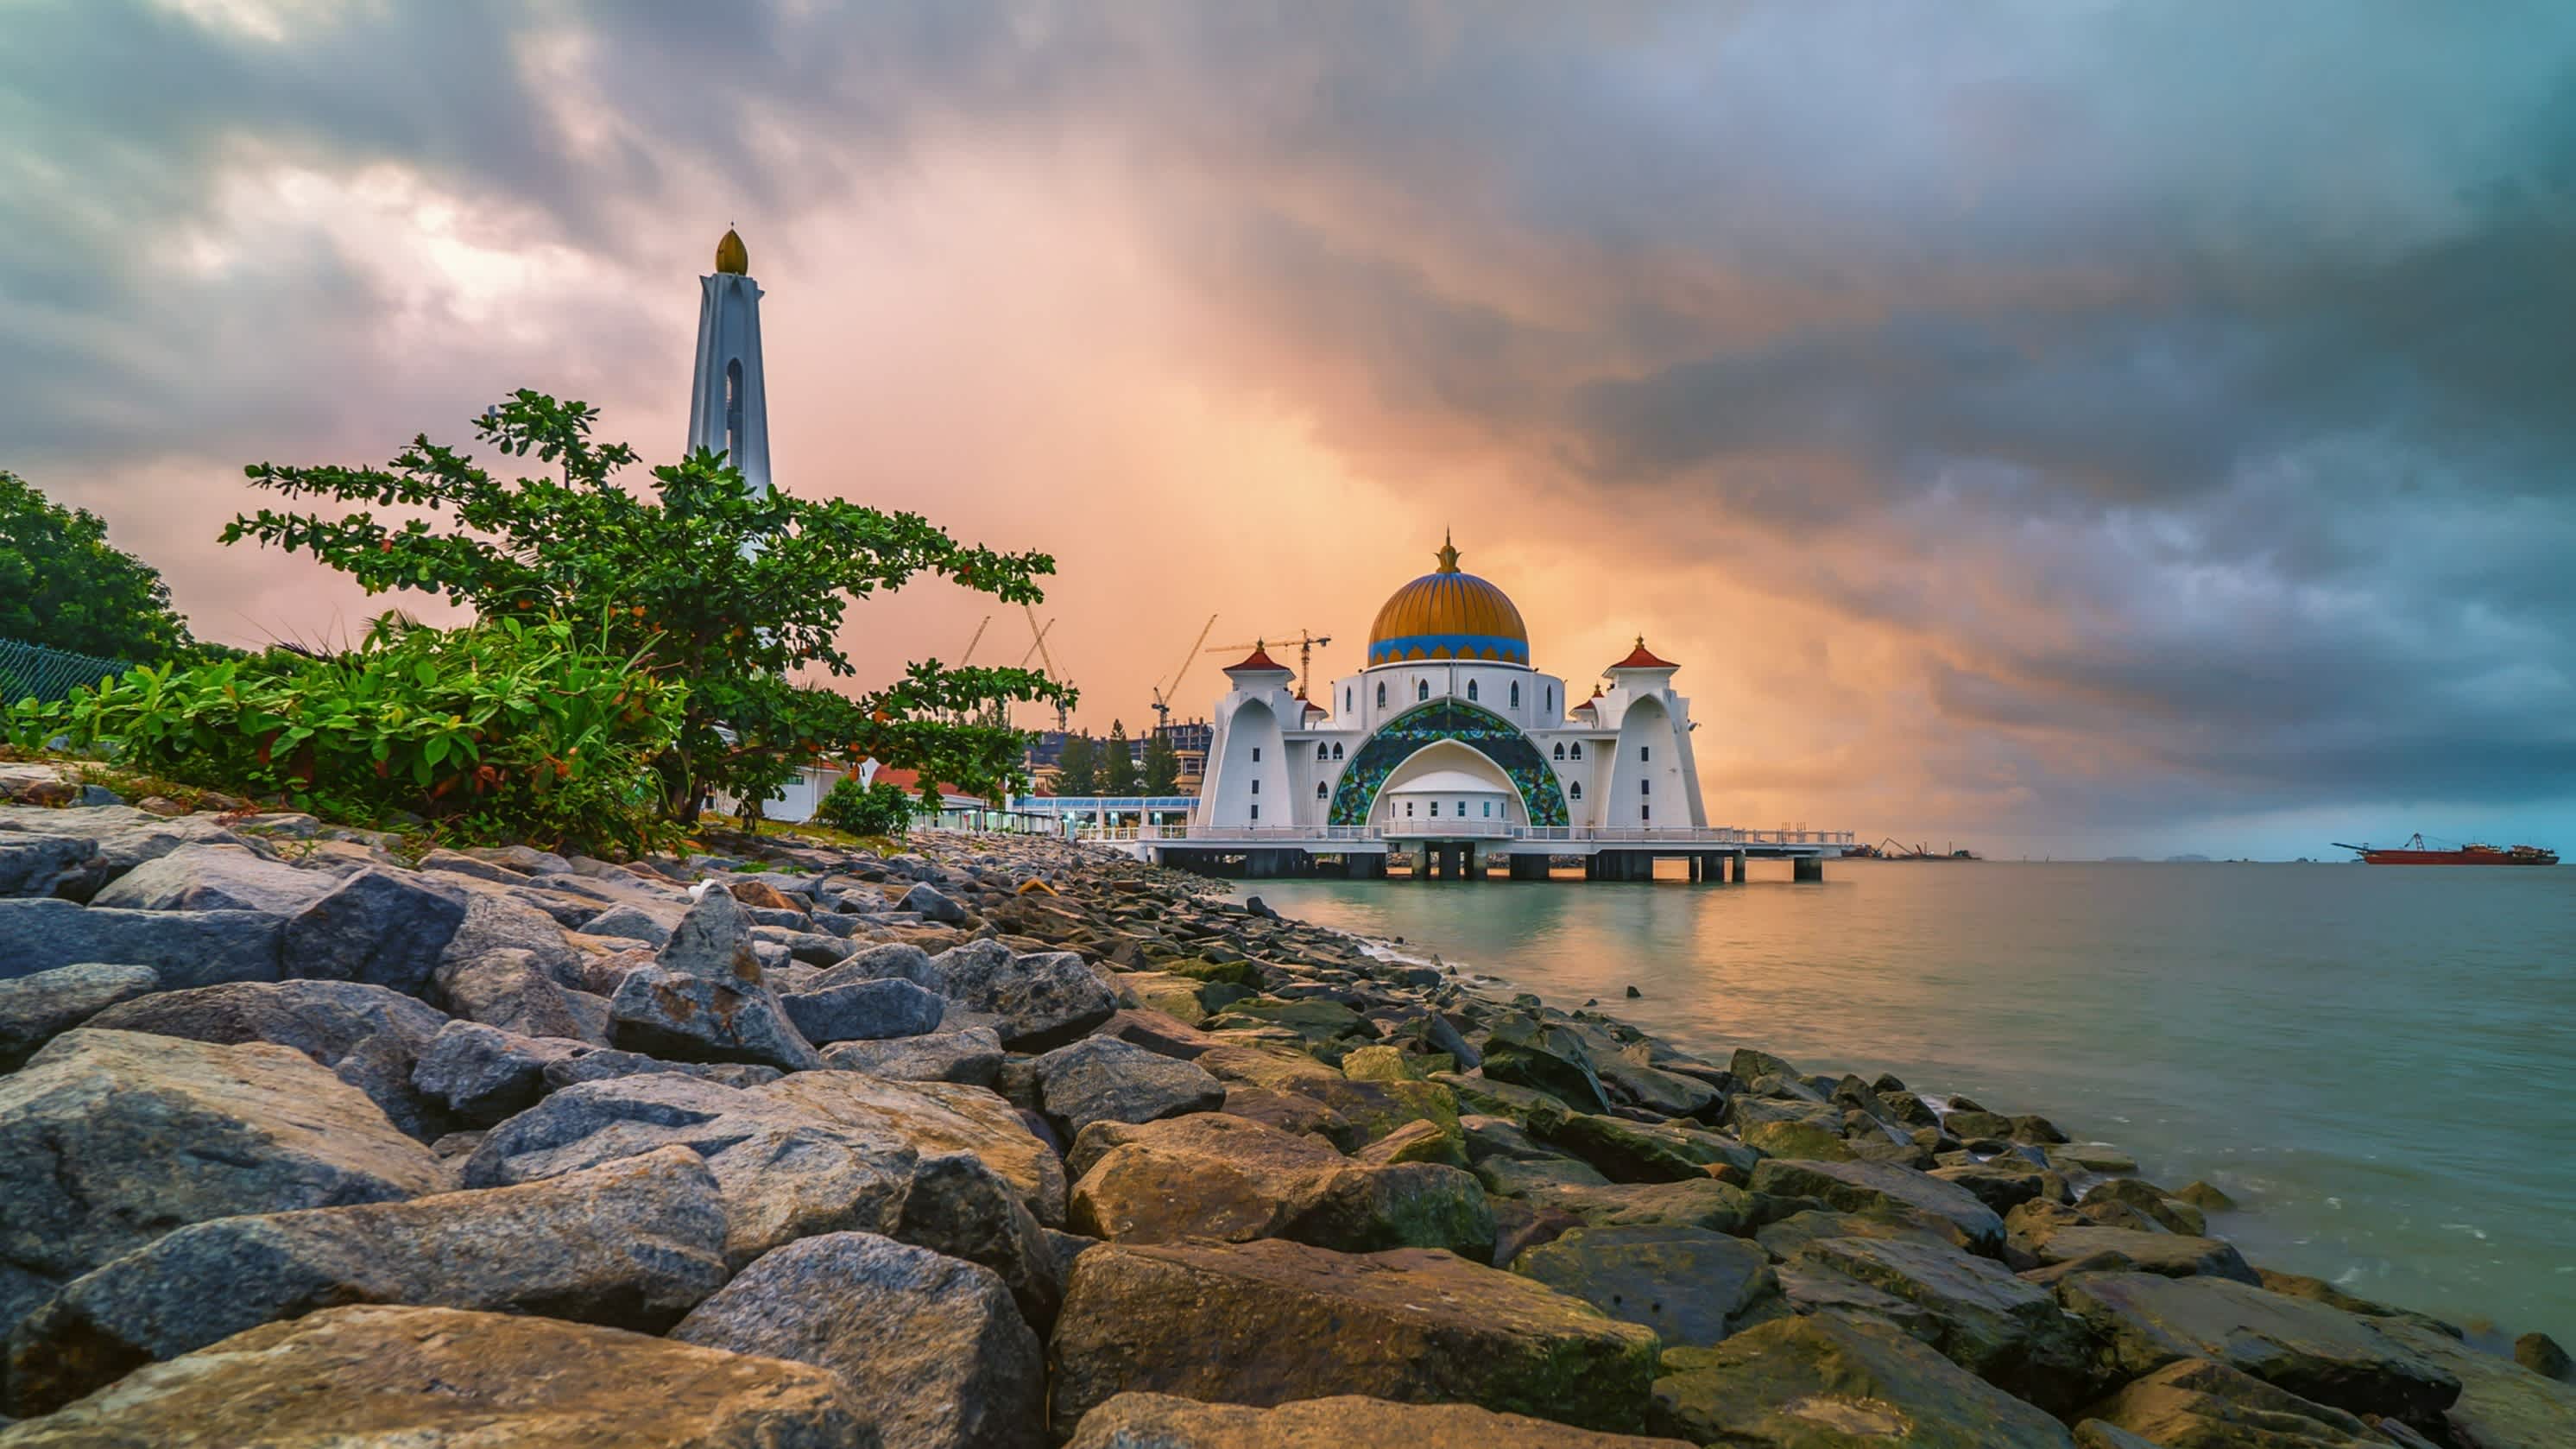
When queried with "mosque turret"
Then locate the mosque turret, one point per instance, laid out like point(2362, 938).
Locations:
point(728, 407)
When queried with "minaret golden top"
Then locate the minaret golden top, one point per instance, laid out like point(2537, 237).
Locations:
point(731, 255)
point(1448, 554)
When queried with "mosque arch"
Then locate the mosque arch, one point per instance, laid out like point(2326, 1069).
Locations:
point(1473, 726)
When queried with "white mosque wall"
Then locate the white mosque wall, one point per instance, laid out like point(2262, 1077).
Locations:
point(1249, 765)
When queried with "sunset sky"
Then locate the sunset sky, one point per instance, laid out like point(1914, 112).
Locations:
point(2057, 426)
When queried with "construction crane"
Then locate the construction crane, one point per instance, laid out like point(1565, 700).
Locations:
point(978, 639)
point(1163, 692)
point(1037, 644)
point(1306, 647)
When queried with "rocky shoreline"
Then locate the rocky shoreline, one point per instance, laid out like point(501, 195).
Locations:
point(1004, 1142)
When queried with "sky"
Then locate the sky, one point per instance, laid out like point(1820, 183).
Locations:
point(2051, 426)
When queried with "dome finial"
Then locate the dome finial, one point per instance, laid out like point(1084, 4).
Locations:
point(1448, 554)
point(731, 255)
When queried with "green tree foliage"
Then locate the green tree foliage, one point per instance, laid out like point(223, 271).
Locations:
point(504, 731)
point(1162, 765)
point(884, 808)
point(63, 585)
point(1118, 762)
point(705, 579)
point(1078, 767)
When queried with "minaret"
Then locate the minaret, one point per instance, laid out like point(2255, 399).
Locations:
point(728, 409)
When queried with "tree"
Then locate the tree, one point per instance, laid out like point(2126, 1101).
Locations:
point(1077, 767)
point(711, 582)
point(1162, 765)
point(63, 585)
point(1118, 762)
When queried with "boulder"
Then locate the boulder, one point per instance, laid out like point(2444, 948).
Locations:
point(1990, 1323)
point(369, 1036)
point(482, 1074)
point(1824, 1382)
point(108, 1139)
point(74, 853)
point(1099, 1079)
point(1041, 1000)
point(1998, 1184)
point(187, 948)
point(501, 919)
point(216, 877)
point(599, 1064)
point(1161, 1421)
point(1798, 1138)
point(2501, 1403)
point(893, 960)
point(2134, 1251)
point(1223, 1177)
point(929, 1349)
point(1525, 1052)
point(1806, 1289)
point(36, 1009)
point(511, 989)
point(632, 1244)
point(668, 1013)
point(1690, 1285)
point(2170, 1213)
point(1867, 1186)
point(1705, 1203)
point(1628, 1151)
point(2197, 1401)
point(1266, 1322)
point(381, 927)
point(932, 905)
point(2147, 1321)
point(972, 1055)
point(635, 921)
point(374, 1376)
point(865, 1011)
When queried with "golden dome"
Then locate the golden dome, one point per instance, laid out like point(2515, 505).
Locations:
point(732, 256)
point(1448, 615)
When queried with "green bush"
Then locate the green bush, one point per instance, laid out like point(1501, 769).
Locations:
point(504, 731)
point(884, 808)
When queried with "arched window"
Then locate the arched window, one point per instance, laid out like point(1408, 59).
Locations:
point(1471, 691)
point(1337, 751)
point(1319, 790)
point(1560, 749)
point(1323, 751)
point(1381, 694)
point(1421, 690)
point(1574, 791)
point(1577, 751)
point(1516, 694)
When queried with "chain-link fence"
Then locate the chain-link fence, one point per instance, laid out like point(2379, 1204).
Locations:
point(33, 669)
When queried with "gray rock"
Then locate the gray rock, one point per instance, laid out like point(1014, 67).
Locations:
point(933, 905)
point(219, 878)
point(38, 865)
point(1990, 1323)
point(668, 1013)
point(104, 843)
point(498, 919)
point(188, 948)
point(634, 922)
point(929, 1348)
point(1689, 1285)
point(483, 1074)
point(1876, 1186)
point(631, 1244)
point(809, 948)
point(865, 1011)
point(605, 1063)
point(382, 927)
point(369, 1036)
point(891, 960)
point(108, 1139)
point(1829, 1381)
point(509, 988)
point(1103, 1080)
point(1345, 1421)
point(972, 1055)
point(712, 942)
point(375, 1376)
point(36, 1009)
point(1040, 1000)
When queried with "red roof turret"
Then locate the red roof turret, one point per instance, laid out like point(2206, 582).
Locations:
point(1260, 660)
point(1643, 658)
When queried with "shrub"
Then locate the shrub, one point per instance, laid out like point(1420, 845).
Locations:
point(884, 808)
point(505, 731)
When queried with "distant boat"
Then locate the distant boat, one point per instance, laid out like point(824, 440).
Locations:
point(2416, 852)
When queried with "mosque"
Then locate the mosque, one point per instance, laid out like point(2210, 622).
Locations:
point(1449, 733)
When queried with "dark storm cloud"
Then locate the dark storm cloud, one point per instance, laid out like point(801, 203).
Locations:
point(2196, 383)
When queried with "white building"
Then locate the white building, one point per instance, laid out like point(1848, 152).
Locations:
point(1448, 732)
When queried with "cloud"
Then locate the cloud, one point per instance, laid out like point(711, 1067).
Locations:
point(2051, 420)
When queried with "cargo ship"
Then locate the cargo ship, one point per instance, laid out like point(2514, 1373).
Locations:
point(2416, 852)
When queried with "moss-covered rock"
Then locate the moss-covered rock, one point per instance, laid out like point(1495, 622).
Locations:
point(1826, 1382)
point(1992, 1324)
point(1800, 1139)
point(1877, 1186)
point(1690, 1285)
point(1132, 1421)
point(1526, 1052)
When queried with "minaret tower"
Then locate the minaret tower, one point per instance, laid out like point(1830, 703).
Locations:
point(728, 408)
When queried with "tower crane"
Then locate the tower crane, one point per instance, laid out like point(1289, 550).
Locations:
point(1037, 643)
point(978, 639)
point(1306, 646)
point(1163, 693)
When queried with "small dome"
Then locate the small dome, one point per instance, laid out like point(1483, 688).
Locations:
point(732, 256)
point(1448, 615)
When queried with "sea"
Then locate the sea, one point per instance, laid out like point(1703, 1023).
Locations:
point(2378, 1063)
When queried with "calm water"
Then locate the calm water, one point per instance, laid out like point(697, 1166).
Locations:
point(2376, 1062)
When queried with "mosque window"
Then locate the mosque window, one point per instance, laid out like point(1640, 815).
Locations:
point(1319, 789)
point(1256, 812)
point(1381, 694)
point(1516, 694)
point(1337, 750)
point(1577, 751)
point(1574, 791)
point(1256, 754)
point(1421, 690)
point(1560, 749)
point(1645, 812)
point(1471, 691)
point(1549, 697)
point(1323, 751)
point(1645, 753)
point(1644, 787)
point(1256, 784)
point(1346, 701)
